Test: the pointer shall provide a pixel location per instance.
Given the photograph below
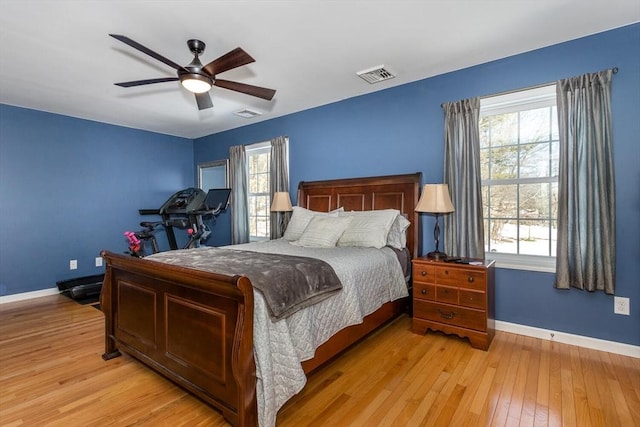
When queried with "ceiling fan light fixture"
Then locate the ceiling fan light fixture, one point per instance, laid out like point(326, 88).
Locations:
point(196, 83)
point(199, 79)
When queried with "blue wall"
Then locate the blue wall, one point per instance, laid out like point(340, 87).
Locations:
point(400, 130)
point(69, 188)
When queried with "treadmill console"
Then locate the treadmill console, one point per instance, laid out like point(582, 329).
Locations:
point(184, 202)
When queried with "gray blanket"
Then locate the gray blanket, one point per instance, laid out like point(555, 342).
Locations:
point(288, 283)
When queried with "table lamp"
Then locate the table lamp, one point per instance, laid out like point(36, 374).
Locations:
point(281, 203)
point(435, 200)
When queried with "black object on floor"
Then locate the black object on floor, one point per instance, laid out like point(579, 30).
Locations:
point(84, 290)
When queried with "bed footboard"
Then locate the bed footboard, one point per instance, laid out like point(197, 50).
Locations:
point(194, 327)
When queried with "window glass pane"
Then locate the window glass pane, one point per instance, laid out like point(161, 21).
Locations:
point(504, 236)
point(263, 227)
point(262, 182)
point(485, 201)
point(253, 184)
point(484, 163)
point(263, 163)
point(504, 129)
point(534, 125)
point(555, 132)
point(534, 160)
point(254, 226)
point(262, 203)
point(534, 201)
point(554, 200)
point(504, 162)
point(487, 236)
point(555, 157)
point(504, 201)
point(485, 129)
point(534, 237)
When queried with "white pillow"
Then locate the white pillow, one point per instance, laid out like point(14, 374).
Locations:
point(397, 237)
point(368, 228)
point(300, 218)
point(323, 231)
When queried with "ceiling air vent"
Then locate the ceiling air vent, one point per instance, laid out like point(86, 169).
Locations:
point(375, 74)
point(247, 114)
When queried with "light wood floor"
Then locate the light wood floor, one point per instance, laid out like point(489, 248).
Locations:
point(51, 374)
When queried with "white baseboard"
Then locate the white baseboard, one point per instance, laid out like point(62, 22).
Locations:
point(565, 338)
point(28, 295)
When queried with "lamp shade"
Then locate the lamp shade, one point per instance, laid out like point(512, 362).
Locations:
point(435, 199)
point(281, 202)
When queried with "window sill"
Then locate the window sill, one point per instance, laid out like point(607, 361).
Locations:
point(523, 262)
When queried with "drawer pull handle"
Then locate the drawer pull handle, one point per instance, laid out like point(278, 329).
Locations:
point(470, 279)
point(446, 315)
point(446, 272)
point(423, 273)
point(423, 291)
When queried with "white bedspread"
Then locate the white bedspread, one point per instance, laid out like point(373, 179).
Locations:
point(370, 277)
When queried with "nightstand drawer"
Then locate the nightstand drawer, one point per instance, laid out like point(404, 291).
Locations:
point(424, 291)
point(461, 278)
point(473, 299)
point(424, 273)
point(450, 314)
point(447, 294)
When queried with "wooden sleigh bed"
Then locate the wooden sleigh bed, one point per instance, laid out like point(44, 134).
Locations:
point(196, 327)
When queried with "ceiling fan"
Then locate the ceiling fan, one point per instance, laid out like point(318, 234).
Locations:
point(198, 78)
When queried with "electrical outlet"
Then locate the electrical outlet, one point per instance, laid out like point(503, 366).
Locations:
point(73, 264)
point(98, 261)
point(621, 305)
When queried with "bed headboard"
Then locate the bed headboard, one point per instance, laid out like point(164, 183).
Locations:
point(361, 194)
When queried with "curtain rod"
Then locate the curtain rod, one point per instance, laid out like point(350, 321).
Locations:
point(614, 70)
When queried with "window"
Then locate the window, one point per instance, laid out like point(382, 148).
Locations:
point(519, 162)
point(258, 160)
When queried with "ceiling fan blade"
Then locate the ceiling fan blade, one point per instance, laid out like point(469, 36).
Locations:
point(260, 92)
point(229, 60)
point(203, 100)
point(143, 49)
point(146, 82)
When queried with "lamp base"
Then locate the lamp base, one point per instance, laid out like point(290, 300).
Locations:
point(436, 255)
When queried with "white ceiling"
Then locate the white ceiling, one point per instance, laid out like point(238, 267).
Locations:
point(56, 55)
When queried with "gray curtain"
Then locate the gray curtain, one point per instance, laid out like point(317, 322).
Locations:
point(586, 257)
point(463, 229)
point(239, 195)
point(279, 181)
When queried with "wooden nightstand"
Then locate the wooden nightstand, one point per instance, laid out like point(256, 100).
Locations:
point(455, 299)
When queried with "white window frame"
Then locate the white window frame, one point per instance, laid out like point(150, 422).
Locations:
point(538, 97)
point(253, 150)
